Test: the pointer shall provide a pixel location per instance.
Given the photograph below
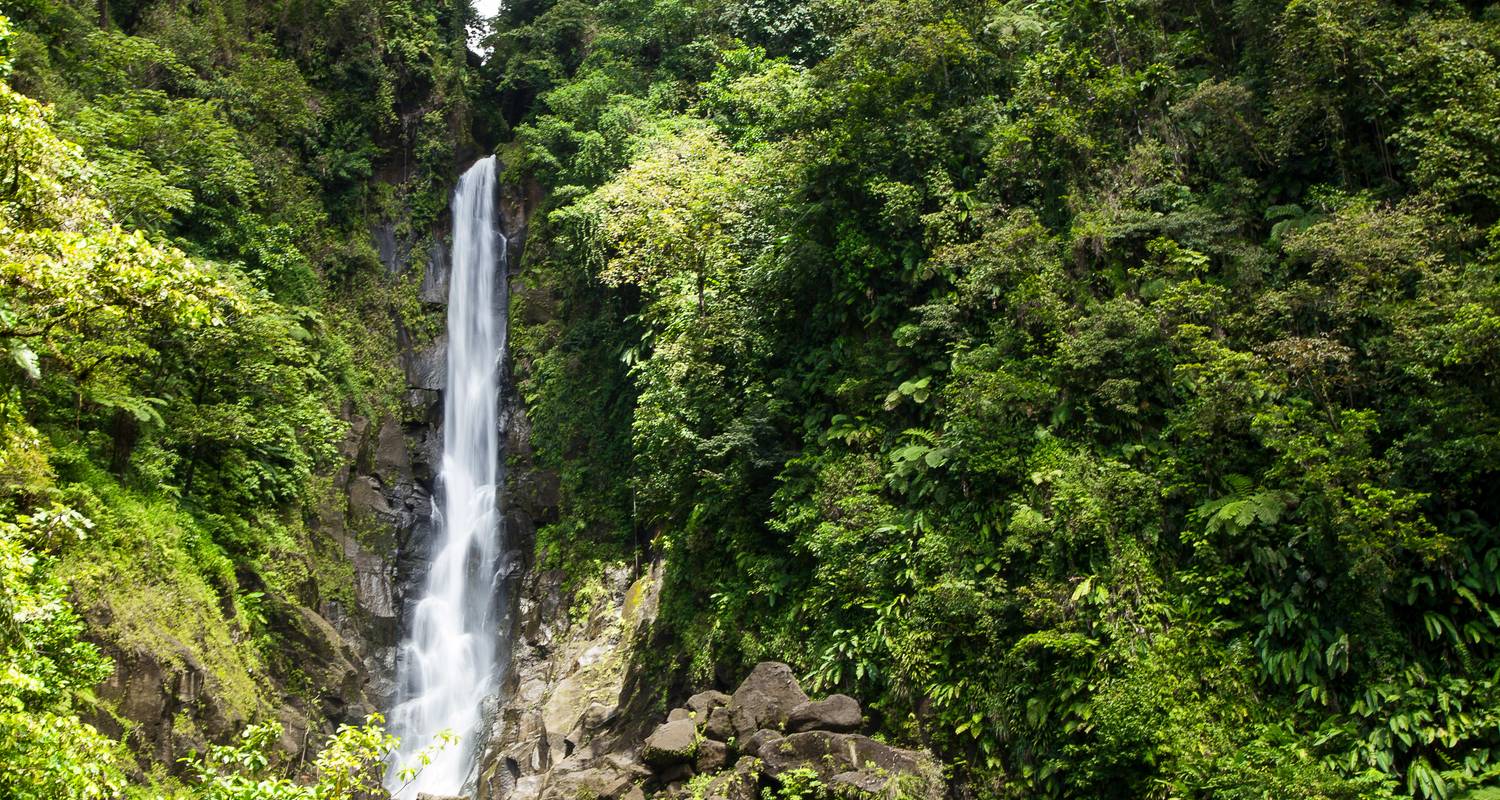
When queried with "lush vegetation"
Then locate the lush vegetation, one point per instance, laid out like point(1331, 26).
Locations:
point(185, 268)
point(1108, 390)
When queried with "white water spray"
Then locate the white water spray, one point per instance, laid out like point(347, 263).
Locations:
point(448, 665)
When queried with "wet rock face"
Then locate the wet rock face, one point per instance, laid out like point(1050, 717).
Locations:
point(329, 662)
point(434, 291)
point(379, 518)
point(427, 368)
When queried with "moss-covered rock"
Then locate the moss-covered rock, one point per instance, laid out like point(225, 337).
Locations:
point(671, 743)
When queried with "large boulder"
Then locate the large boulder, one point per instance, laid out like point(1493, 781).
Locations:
point(912, 775)
point(877, 786)
point(748, 711)
point(719, 726)
point(712, 756)
point(671, 743)
point(703, 703)
point(765, 699)
point(838, 713)
point(752, 745)
point(367, 499)
point(392, 462)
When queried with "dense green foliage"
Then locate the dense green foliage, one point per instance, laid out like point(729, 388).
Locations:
point(1108, 390)
point(190, 311)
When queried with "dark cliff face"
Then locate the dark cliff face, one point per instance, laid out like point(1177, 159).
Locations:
point(408, 489)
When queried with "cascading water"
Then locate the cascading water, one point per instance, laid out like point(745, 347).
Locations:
point(449, 663)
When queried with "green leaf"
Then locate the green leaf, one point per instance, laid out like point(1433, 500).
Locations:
point(1083, 589)
point(26, 359)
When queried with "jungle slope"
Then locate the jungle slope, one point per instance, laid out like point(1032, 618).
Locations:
point(200, 375)
point(1107, 392)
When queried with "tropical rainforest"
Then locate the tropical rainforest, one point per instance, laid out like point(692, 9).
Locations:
point(1107, 391)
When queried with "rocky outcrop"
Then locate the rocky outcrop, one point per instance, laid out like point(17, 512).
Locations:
point(169, 701)
point(558, 733)
point(571, 727)
point(185, 676)
point(794, 738)
point(376, 503)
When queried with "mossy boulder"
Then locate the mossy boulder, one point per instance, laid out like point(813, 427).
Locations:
point(671, 743)
point(741, 784)
point(868, 768)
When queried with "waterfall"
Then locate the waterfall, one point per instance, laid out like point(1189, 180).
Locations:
point(449, 662)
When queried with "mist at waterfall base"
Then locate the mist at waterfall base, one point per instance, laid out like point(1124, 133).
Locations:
point(449, 662)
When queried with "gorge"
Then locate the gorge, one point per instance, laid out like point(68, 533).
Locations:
point(749, 399)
